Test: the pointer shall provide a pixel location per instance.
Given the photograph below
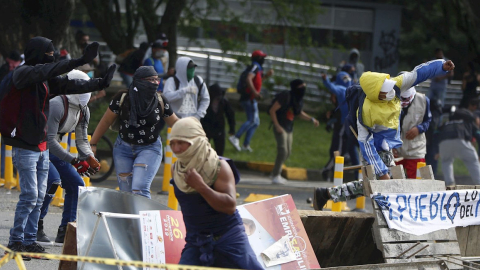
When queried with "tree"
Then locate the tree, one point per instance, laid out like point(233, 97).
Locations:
point(118, 29)
point(22, 20)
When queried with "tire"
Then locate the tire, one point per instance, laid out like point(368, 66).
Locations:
point(105, 156)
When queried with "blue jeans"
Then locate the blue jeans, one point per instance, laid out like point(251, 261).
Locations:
point(127, 79)
point(136, 165)
point(253, 121)
point(63, 172)
point(33, 169)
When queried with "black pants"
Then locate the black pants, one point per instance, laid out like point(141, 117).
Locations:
point(218, 141)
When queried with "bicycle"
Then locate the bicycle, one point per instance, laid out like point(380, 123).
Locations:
point(105, 155)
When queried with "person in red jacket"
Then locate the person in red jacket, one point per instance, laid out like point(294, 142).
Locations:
point(249, 101)
point(24, 110)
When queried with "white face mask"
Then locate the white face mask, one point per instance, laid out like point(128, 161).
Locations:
point(390, 95)
point(83, 99)
point(159, 54)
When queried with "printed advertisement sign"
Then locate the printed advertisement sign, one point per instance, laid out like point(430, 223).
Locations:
point(163, 236)
point(267, 222)
point(421, 213)
point(273, 226)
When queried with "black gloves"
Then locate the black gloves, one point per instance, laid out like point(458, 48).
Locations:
point(105, 81)
point(91, 52)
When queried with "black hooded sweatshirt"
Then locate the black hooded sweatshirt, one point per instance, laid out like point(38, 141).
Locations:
point(214, 121)
point(24, 102)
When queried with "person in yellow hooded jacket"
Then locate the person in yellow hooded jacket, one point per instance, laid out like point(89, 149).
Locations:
point(378, 119)
point(379, 114)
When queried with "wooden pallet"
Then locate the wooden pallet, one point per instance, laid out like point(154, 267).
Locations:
point(401, 247)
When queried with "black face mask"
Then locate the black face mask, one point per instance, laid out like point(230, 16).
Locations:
point(48, 59)
point(261, 61)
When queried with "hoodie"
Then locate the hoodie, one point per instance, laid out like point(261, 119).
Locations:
point(339, 89)
point(214, 121)
point(359, 67)
point(24, 106)
point(184, 100)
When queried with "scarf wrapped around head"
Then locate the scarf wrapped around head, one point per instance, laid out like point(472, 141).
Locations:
point(200, 155)
point(407, 96)
point(297, 95)
point(143, 94)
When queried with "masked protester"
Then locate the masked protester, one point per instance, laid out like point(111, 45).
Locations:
point(67, 113)
point(414, 122)
point(248, 100)
point(343, 139)
point(285, 107)
point(138, 150)
point(204, 185)
point(214, 121)
point(378, 124)
point(24, 112)
point(186, 91)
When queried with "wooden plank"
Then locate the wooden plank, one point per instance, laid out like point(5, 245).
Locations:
point(406, 186)
point(397, 172)
point(380, 219)
point(426, 173)
point(69, 247)
point(425, 260)
point(392, 235)
point(446, 248)
point(462, 235)
point(473, 242)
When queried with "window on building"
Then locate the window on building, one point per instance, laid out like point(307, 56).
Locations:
point(353, 39)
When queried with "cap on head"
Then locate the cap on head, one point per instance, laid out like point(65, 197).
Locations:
point(191, 64)
point(258, 53)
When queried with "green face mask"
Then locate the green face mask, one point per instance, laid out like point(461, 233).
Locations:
point(190, 73)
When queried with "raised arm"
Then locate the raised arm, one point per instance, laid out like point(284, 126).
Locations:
point(422, 73)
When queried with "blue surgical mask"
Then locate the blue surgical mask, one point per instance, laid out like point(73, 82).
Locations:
point(90, 74)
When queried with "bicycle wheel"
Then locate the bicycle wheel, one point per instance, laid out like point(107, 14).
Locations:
point(105, 156)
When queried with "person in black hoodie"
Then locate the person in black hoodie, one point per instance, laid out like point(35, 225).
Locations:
point(214, 121)
point(24, 108)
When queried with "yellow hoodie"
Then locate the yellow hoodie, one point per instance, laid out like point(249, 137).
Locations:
point(379, 113)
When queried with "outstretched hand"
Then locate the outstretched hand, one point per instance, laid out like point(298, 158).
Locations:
point(448, 65)
point(91, 52)
point(105, 82)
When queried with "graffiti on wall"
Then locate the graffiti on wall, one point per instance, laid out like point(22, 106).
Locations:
point(389, 43)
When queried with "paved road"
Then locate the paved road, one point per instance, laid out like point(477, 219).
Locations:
point(251, 183)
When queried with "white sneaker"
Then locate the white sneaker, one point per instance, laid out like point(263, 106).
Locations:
point(279, 180)
point(247, 148)
point(235, 142)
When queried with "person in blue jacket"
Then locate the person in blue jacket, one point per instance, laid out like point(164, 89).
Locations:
point(342, 139)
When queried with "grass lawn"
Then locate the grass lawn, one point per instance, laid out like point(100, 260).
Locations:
point(310, 144)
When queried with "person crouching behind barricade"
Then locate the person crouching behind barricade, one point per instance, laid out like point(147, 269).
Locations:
point(378, 123)
point(204, 185)
point(414, 121)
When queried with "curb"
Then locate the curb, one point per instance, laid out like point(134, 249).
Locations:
point(290, 173)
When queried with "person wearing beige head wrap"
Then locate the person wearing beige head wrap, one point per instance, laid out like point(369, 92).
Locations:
point(204, 185)
point(199, 156)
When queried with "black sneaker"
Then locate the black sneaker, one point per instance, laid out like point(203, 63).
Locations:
point(62, 231)
point(36, 248)
point(18, 247)
point(320, 198)
point(42, 238)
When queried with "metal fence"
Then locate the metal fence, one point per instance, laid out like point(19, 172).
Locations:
point(216, 66)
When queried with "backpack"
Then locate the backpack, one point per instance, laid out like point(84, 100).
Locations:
point(115, 126)
point(275, 99)
point(354, 96)
point(242, 81)
point(198, 83)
